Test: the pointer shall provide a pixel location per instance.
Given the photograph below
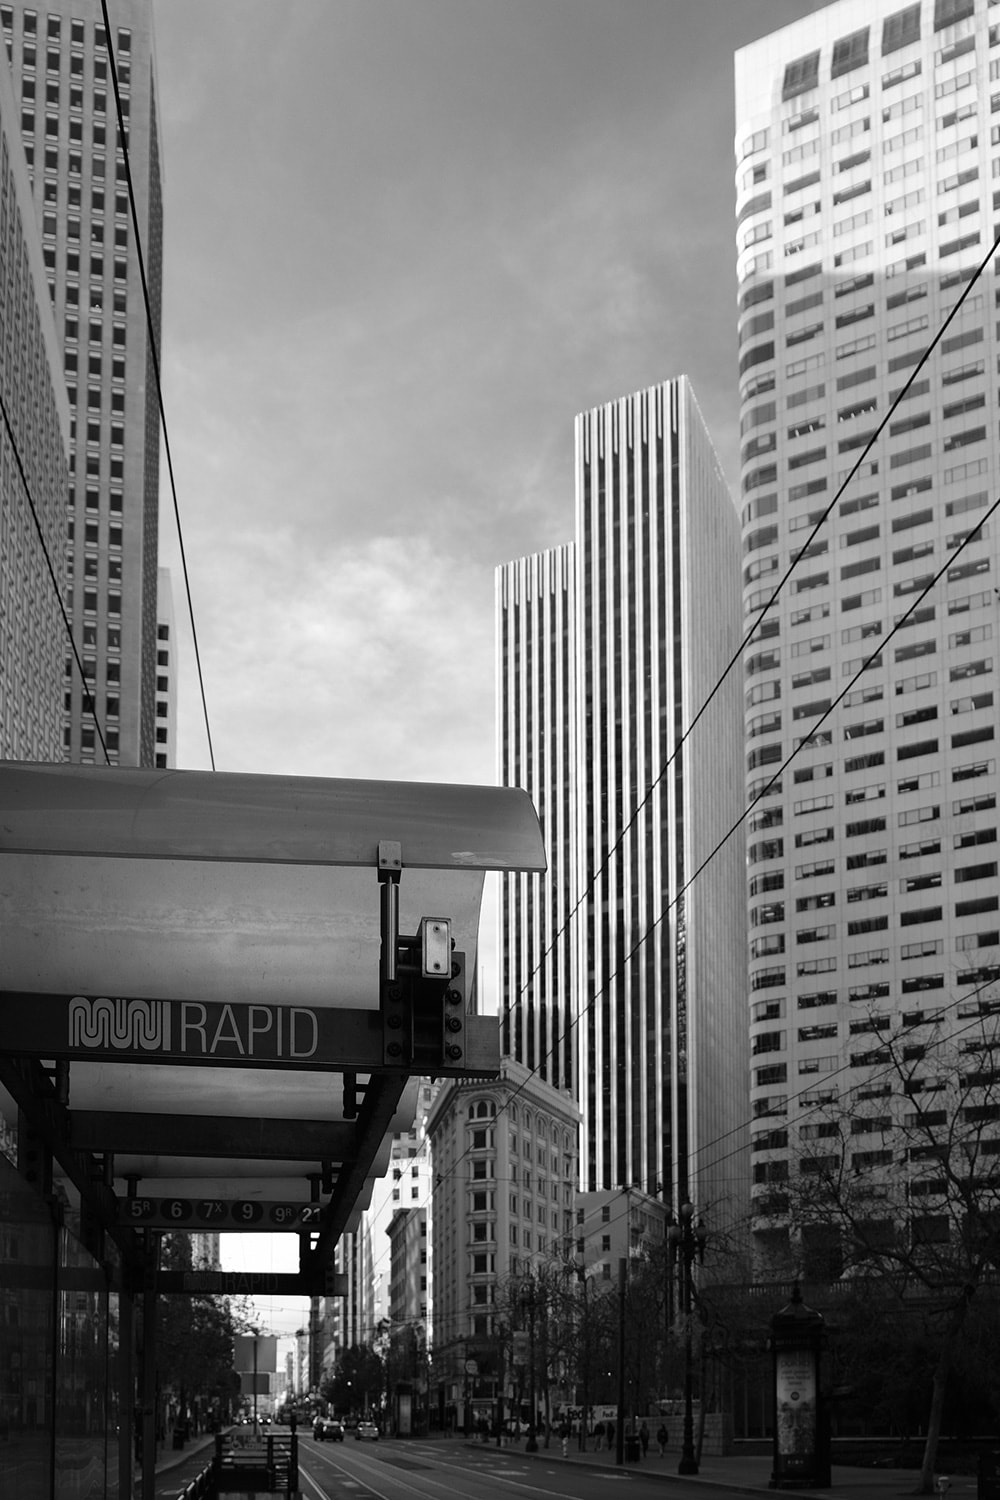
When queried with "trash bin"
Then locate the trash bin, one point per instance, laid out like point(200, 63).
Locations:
point(178, 1439)
point(988, 1475)
point(633, 1450)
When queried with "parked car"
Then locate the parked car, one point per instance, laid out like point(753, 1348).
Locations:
point(366, 1430)
point(328, 1430)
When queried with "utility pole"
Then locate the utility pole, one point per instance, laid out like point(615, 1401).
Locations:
point(620, 1425)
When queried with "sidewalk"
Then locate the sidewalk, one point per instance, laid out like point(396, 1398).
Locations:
point(181, 1465)
point(749, 1474)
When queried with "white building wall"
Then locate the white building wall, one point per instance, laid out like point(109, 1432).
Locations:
point(865, 205)
point(660, 957)
point(536, 702)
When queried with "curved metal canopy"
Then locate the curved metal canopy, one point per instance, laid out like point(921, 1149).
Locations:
point(217, 987)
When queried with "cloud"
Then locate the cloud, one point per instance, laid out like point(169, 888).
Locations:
point(367, 660)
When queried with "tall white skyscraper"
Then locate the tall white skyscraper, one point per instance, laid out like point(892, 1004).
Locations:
point(607, 651)
point(536, 707)
point(867, 168)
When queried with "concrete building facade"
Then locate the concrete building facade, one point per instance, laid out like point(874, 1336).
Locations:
point(34, 444)
point(505, 1161)
point(63, 70)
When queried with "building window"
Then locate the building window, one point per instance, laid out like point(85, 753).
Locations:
point(900, 29)
point(947, 12)
point(850, 52)
point(801, 75)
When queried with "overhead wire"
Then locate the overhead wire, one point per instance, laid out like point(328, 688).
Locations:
point(155, 357)
point(88, 695)
point(899, 624)
point(804, 743)
point(154, 353)
point(814, 728)
point(885, 1071)
point(737, 656)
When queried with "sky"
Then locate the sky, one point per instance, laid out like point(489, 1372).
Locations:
point(406, 242)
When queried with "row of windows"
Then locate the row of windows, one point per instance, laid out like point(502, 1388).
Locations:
point(852, 254)
point(763, 382)
point(851, 52)
point(968, 566)
point(771, 1074)
point(53, 63)
point(901, 29)
point(771, 815)
point(768, 535)
point(763, 322)
point(55, 32)
point(870, 858)
point(814, 613)
point(75, 99)
point(773, 943)
point(73, 132)
point(868, 994)
point(774, 848)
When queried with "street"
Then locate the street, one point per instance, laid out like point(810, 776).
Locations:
point(442, 1470)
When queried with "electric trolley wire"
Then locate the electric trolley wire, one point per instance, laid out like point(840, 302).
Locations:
point(88, 695)
point(888, 1070)
point(971, 536)
point(154, 353)
point(735, 658)
point(748, 637)
point(803, 744)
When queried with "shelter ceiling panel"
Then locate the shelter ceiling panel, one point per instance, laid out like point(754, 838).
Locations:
point(256, 1092)
point(219, 933)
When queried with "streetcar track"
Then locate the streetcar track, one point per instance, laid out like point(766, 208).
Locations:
point(461, 1490)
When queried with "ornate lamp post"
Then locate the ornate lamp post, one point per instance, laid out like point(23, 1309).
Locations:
point(581, 1273)
point(687, 1242)
point(528, 1295)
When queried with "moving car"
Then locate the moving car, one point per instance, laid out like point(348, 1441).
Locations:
point(328, 1430)
point(366, 1430)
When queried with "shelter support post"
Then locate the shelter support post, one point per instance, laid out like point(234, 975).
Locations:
point(126, 1387)
point(149, 1367)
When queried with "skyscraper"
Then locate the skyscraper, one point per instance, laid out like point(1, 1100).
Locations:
point(536, 707)
point(32, 471)
point(62, 71)
point(866, 168)
point(607, 651)
point(166, 673)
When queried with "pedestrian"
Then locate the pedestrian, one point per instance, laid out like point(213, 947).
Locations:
point(644, 1438)
point(611, 1435)
point(662, 1438)
point(599, 1435)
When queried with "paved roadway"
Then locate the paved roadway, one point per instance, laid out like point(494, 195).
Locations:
point(436, 1470)
point(451, 1469)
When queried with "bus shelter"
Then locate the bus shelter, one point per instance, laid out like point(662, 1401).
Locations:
point(218, 992)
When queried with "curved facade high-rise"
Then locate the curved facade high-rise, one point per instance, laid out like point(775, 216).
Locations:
point(867, 170)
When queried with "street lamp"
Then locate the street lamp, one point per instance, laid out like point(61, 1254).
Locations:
point(256, 1340)
point(528, 1303)
point(580, 1272)
point(686, 1242)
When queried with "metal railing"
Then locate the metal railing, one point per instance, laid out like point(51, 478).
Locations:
point(248, 1463)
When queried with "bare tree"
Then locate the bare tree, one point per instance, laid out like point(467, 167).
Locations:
point(898, 1183)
